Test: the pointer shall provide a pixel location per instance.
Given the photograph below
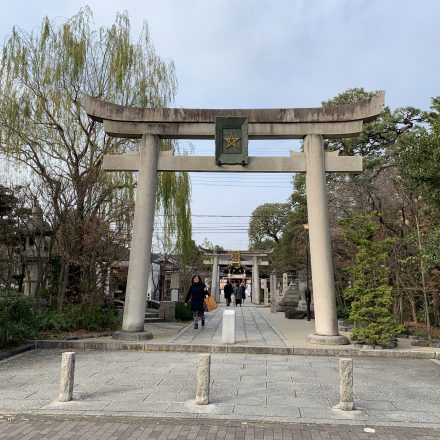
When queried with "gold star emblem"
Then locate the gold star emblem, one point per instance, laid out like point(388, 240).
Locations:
point(231, 141)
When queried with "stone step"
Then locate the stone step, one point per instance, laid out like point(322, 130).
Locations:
point(151, 314)
point(152, 320)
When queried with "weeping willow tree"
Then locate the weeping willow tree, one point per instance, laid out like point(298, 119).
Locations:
point(44, 128)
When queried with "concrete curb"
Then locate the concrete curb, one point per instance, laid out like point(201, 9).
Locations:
point(16, 350)
point(187, 348)
point(404, 354)
point(244, 349)
point(226, 420)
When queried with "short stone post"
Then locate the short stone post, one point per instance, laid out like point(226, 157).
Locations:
point(346, 384)
point(273, 293)
point(228, 327)
point(67, 376)
point(203, 379)
point(266, 296)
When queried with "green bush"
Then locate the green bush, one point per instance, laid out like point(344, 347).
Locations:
point(343, 311)
point(19, 319)
point(183, 312)
point(369, 292)
point(80, 317)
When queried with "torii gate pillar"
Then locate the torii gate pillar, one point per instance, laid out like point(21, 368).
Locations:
point(255, 295)
point(215, 291)
point(141, 239)
point(326, 320)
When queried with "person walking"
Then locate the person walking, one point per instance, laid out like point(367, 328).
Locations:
point(237, 294)
point(228, 290)
point(243, 292)
point(197, 292)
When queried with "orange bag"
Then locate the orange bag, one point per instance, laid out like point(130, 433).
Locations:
point(210, 303)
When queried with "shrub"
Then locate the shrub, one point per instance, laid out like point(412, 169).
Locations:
point(19, 319)
point(183, 312)
point(369, 292)
point(80, 317)
point(343, 311)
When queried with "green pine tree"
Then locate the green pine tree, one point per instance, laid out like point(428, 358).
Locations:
point(370, 293)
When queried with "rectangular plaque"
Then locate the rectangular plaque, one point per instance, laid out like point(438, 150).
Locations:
point(231, 140)
point(235, 257)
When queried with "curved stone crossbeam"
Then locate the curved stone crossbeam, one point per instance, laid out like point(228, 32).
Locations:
point(290, 123)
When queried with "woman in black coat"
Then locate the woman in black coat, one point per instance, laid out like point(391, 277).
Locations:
point(197, 292)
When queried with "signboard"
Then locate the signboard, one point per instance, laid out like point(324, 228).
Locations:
point(235, 257)
point(174, 295)
point(231, 140)
point(175, 280)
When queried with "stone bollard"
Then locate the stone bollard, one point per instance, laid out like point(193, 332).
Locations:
point(266, 297)
point(203, 379)
point(228, 327)
point(67, 376)
point(273, 293)
point(346, 384)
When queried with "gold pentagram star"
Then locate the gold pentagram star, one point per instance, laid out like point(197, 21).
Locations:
point(231, 141)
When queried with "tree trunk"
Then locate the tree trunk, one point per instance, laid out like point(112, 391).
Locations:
point(436, 307)
point(64, 275)
point(412, 302)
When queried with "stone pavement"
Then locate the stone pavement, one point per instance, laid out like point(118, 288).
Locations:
point(99, 429)
point(264, 388)
point(251, 329)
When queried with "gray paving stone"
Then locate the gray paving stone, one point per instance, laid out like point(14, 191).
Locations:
point(279, 376)
point(332, 414)
point(317, 394)
point(120, 397)
point(298, 401)
point(404, 416)
point(246, 391)
point(378, 405)
point(417, 404)
point(254, 380)
point(251, 370)
point(133, 406)
point(245, 400)
point(293, 386)
point(21, 405)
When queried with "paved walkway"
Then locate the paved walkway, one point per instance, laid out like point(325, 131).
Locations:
point(251, 329)
point(266, 388)
point(98, 429)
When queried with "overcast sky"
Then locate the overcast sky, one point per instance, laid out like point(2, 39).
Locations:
point(277, 53)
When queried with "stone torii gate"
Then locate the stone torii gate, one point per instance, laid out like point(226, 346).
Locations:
point(218, 259)
point(310, 124)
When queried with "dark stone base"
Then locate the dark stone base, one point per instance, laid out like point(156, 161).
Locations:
point(392, 343)
point(421, 343)
point(297, 314)
point(294, 314)
point(328, 339)
point(132, 336)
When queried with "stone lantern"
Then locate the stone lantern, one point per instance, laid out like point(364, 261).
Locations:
point(36, 251)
